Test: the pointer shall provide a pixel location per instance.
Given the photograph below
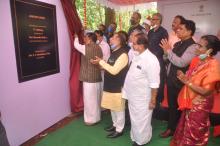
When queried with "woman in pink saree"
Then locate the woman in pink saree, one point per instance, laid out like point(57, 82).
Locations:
point(195, 99)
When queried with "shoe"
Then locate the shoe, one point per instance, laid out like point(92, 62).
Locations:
point(167, 133)
point(135, 144)
point(90, 124)
point(110, 129)
point(110, 133)
point(115, 134)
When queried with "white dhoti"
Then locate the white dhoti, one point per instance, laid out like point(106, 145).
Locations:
point(143, 76)
point(92, 102)
point(140, 116)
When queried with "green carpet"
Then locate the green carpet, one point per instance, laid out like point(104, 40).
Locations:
point(77, 134)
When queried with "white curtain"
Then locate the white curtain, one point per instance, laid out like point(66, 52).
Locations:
point(132, 7)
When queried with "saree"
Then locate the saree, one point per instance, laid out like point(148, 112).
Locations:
point(200, 74)
point(194, 124)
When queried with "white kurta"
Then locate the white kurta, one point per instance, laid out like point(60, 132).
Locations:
point(106, 53)
point(105, 50)
point(143, 74)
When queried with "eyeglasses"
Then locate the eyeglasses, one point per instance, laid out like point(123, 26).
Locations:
point(155, 19)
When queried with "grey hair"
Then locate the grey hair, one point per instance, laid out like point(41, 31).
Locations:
point(159, 16)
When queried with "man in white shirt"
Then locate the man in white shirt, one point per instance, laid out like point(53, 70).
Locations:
point(105, 50)
point(140, 89)
point(103, 44)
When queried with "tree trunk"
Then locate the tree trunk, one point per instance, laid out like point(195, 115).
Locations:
point(109, 16)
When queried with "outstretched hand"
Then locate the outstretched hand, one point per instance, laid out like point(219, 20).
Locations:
point(165, 45)
point(96, 60)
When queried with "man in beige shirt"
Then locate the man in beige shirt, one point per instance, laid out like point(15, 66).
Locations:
point(115, 71)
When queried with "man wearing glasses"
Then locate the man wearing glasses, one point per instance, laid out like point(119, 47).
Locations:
point(155, 35)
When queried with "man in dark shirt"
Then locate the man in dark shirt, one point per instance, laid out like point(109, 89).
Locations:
point(155, 36)
point(179, 59)
point(135, 23)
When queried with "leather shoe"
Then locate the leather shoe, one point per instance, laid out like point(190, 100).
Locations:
point(167, 133)
point(115, 134)
point(110, 129)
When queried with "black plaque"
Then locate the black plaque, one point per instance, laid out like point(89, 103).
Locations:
point(35, 37)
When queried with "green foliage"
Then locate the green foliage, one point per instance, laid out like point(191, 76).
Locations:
point(94, 12)
point(96, 15)
point(125, 17)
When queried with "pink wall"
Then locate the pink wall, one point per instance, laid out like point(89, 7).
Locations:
point(30, 107)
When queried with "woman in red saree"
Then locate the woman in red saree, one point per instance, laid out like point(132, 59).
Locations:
point(195, 99)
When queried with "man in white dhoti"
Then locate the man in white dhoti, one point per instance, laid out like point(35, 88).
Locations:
point(90, 75)
point(140, 89)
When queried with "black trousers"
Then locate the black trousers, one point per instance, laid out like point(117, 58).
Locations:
point(174, 113)
point(3, 137)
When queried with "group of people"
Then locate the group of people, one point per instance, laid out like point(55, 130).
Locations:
point(135, 66)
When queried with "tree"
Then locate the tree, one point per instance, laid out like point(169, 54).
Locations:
point(125, 16)
point(110, 16)
point(94, 12)
point(97, 14)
